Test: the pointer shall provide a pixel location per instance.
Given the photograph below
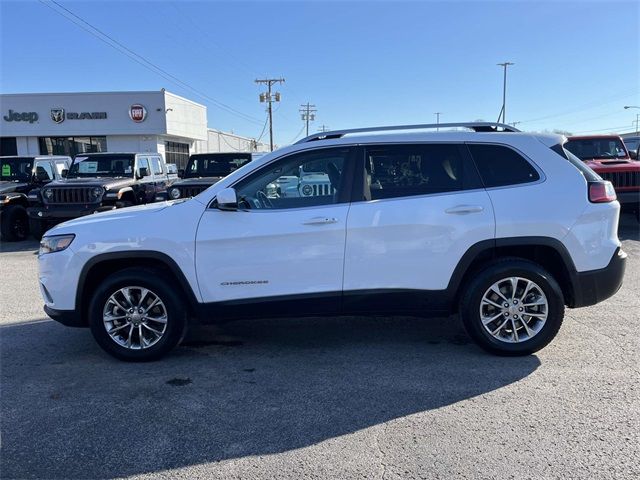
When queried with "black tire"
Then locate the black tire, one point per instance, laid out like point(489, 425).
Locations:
point(160, 285)
point(15, 223)
point(37, 228)
point(483, 279)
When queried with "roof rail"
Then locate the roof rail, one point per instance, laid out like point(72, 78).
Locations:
point(475, 126)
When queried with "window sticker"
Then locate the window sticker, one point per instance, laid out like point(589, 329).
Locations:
point(6, 170)
point(88, 167)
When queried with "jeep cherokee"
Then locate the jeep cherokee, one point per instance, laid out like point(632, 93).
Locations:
point(506, 228)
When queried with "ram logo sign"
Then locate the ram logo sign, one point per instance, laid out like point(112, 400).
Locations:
point(57, 115)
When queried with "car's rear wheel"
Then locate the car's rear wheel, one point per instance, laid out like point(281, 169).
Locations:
point(513, 307)
point(15, 224)
point(135, 315)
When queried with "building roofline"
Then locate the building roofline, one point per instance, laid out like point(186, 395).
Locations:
point(117, 92)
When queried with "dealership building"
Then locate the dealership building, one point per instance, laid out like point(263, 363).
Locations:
point(72, 123)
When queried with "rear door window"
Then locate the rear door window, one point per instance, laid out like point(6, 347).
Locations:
point(393, 171)
point(500, 165)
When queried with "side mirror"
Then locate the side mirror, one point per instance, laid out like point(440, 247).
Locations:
point(633, 154)
point(227, 199)
point(181, 172)
point(64, 172)
point(621, 154)
point(143, 172)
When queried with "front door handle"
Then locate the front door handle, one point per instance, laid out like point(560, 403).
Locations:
point(321, 221)
point(464, 209)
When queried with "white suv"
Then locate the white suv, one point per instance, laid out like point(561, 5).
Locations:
point(503, 227)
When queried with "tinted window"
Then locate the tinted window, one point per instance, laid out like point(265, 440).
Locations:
point(589, 174)
point(289, 183)
point(44, 172)
point(156, 166)
point(16, 169)
point(216, 165)
point(499, 165)
point(406, 170)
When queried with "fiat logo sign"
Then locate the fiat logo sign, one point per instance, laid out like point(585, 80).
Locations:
point(137, 113)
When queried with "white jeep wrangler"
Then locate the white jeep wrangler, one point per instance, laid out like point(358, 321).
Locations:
point(503, 227)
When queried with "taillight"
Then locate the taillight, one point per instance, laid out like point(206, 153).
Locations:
point(601, 192)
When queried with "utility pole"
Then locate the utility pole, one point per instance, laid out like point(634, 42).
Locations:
point(503, 112)
point(324, 128)
point(308, 113)
point(269, 99)
point(637, 122)
point(513, 124)
point(437, 114)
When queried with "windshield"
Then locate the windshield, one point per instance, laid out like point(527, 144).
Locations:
point(216, 165)
point(589, 148)
point(102, 166)
point(632, 144)
point(16, 169)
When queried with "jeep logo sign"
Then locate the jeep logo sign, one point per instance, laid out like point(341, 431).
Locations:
point(137, 113)
point(21, 117)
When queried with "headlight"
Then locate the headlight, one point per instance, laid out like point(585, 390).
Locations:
point(96, 192)
point(47, 193)
point(174, 193)
point(307, 190)
point(55, 243)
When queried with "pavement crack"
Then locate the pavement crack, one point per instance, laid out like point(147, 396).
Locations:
point(380, 450)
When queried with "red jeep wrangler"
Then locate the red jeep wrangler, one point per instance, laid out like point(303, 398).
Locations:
point(608, 156)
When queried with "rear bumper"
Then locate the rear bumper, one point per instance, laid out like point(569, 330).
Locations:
point(69, 318)
point(594, 286)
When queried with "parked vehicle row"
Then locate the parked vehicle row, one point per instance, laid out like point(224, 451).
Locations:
point(37, 193)
point(20, 175)
point(417, 223)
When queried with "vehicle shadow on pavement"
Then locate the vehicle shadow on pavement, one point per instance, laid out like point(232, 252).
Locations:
point(24, 246)
point(629, 227)
point(252, 388)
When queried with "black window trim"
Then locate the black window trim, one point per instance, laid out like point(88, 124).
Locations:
point(358, 185)
point(542, 177)
point(346, 196)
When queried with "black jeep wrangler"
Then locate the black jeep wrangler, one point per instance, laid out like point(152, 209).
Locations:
point(205, 169)
point(97, 182)
point(18, 178)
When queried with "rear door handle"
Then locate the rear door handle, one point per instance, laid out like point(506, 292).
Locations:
point(321, 221)
point(464, 209)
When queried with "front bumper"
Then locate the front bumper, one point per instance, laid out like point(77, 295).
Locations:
point(60, 213)
point(594, 286)
point(69, 318)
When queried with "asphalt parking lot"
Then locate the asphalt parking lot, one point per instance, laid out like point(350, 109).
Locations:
point(321, 398)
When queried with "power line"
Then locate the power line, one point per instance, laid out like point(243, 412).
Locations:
point(324, 128)
point(586, 106)
point(116, 45)
point(297, 134)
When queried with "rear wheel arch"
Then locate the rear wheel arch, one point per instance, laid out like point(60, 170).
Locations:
point(103, 265)
point(547, 252)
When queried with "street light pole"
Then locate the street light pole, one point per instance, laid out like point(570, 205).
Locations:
point(504, 91)
point(627, 107)
point(437, 114)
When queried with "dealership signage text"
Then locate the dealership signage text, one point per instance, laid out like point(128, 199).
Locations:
point(21, 117)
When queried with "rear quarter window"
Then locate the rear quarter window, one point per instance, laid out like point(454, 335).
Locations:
point(500, 165)
point(586, 172)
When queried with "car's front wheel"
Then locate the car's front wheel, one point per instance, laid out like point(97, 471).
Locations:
point(135, 315)
point(513, 307)
point(15, 224)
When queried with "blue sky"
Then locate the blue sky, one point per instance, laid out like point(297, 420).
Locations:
point(362, 63)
